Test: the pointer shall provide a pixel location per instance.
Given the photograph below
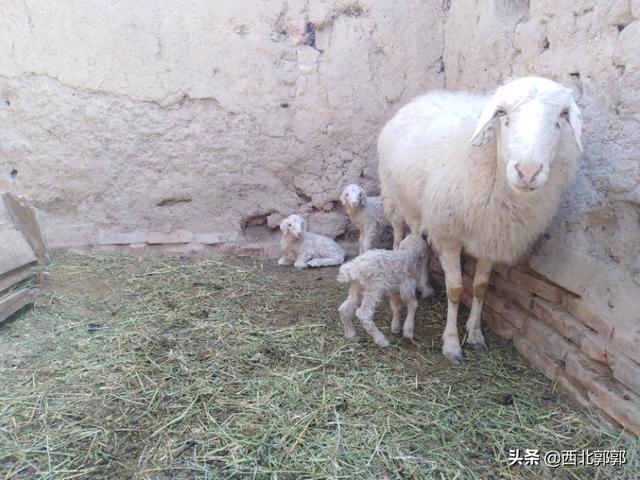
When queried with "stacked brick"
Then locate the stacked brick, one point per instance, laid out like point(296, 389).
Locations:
point(594, 359)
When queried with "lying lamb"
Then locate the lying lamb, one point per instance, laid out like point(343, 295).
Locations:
point(367, 215)
point(306, 249)
point(376, 272)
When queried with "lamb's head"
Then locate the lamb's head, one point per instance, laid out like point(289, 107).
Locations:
point(353, 196)
point(293, 225)
point(533, 116)
point(413, 243)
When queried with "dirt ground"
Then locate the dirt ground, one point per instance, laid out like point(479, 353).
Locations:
point(158, 367)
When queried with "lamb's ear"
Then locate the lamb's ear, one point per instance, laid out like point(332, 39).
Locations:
point(575, 119)
point(283, 225)
point(343, 197)
point(303, 225)
point(487, 114)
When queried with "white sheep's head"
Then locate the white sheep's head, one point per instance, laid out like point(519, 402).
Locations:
point(533, 115)
point(353, 196)
point(293, 225)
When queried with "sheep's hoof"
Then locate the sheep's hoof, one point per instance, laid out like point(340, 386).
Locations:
point(456, 357)
point(383, 342)
point(395, 329)
point(479, 346)
point(408, 335)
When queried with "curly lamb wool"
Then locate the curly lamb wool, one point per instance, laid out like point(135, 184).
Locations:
point(376, 272)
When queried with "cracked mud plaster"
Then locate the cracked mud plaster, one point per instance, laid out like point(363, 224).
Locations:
point(116, 114)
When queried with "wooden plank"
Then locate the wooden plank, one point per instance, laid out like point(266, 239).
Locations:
point(25, 220)
point(15, 251)
point(16, 276)
point(11, 303)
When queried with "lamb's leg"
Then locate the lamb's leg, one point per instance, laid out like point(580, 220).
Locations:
point(450, 260)
point(348, 308)
point(408, 296)
point(361, 243)
point(365, 313)
point(284, 261)
point(396, 306)
point(367, 240)
point(475, 339)
point(426, 290)
point(324, 262)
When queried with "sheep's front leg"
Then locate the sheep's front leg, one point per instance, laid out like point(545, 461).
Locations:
point(398, 232)
point(365, 313)
point(348, 308)
point(408, 296)
point(302, 261)
point(396, 307)
point(450, 260)
point(475, 339)
point(367, 240)
point(361, 243)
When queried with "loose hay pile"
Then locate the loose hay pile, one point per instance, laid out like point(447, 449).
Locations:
point(164, 368)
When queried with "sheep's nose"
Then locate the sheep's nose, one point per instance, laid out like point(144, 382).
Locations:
point(528, 173)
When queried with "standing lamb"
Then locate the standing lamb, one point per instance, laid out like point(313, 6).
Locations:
point(376, 272)
point(488, 191)
point(367, 215)
point(306, 249)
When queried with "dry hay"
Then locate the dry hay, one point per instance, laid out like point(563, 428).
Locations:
point(162, 368)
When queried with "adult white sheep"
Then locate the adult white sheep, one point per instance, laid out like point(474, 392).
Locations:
point(366, 214)
point(306, 249)
point(488, 191)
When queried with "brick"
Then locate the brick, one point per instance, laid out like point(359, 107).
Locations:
point(537, 286)
point(618, 402)
point(531, 352)
point(561, 321)
point(506, 288)
point(469, 266)
point(565, 267)
point(574, 389)
point(494, 301)
point(584, 370)
point(626, 338)
point(627, 372)
point(214, 238)
point(516, 316)
point(499, 325)
point(501, 270)
point(111, 237)
point(595, 347)
point(579, 309)
point(547, 340)
point(60, 236)
point(175, 237)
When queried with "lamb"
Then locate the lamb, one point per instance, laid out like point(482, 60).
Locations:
point(376, 272)
point(367, 215)
point(483, 174)
point(306, 249)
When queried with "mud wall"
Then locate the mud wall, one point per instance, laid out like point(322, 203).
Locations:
point(207, 121)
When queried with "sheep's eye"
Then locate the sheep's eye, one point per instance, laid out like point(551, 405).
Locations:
point(565, 114)
point(501, 112)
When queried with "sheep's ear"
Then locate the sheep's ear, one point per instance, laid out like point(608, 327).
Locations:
point(575, 119)
point(488, 112)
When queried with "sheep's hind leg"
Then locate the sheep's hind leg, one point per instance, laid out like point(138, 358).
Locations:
point(365, 313)
point(475, 339)
point(450, 260)
point(408, 296)
point(324, 262)
point(426, 290)
point(396, 306)
point(348, 308)
point(398, 232)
